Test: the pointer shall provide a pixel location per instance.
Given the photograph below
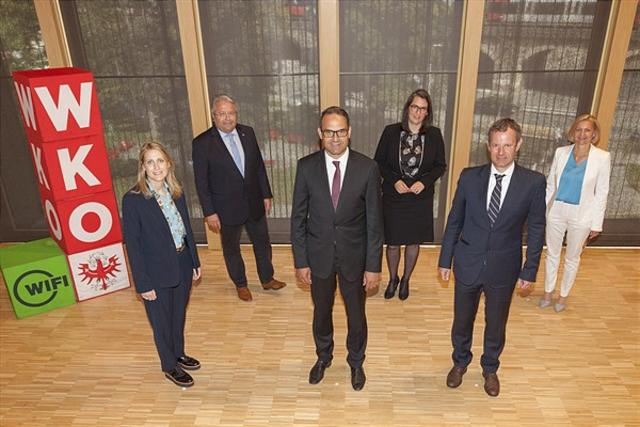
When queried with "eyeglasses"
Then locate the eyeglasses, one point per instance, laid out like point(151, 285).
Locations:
point(225, 114)
point(417, 109)
point(328, 133)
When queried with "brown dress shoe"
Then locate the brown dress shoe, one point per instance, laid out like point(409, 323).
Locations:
point(491, 384)
point(454, 378)
point(244, 293)
point(273, 285)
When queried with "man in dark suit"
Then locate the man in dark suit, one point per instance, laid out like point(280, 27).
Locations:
point(484, 237)
point(336, 231)
point(234, 192)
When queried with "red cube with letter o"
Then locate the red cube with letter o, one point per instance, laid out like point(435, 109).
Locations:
point(83, 223)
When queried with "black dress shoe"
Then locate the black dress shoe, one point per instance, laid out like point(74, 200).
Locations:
point(358, 378)
point(391, 288)
point(454, 378)
point(179, 377)
point(403, 293)
point(188, 363)
point(317, 372)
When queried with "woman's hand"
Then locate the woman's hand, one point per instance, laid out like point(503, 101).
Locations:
point(401, 187)
point(197, 272)
point(149, 295)
point(417, 187)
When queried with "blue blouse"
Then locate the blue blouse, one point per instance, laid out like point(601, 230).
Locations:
point(170, 212)
point(571, 180)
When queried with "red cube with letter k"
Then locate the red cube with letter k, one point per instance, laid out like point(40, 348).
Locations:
point(71, 167)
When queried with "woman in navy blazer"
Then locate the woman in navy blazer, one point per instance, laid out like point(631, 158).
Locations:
point(162, 256)
point(411, 159)
point(577, 190)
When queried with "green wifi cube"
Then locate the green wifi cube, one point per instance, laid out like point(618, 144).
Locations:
point(37, 277)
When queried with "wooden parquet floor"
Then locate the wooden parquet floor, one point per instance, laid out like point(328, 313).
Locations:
point(95, 364)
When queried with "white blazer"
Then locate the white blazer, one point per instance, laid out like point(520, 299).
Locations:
point(595, 187)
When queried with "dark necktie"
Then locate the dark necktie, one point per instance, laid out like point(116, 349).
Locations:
point(494, 203)
point(335, 185)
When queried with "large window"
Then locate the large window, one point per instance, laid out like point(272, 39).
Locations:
point(388, 49)
point(133, 49)
point(21, 47)
point(264, 54)
point(538, 65)
point(624, 142)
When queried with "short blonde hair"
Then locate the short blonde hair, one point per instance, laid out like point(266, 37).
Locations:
point(141, 185)
point(585, 118)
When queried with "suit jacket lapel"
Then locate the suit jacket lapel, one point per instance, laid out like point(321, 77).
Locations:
point(156, 211)
point(346, 182)
point(482, 191)
point(591, 168)
point(324, 178)
point(512, 192)
point(562, 163)
point(245, 148)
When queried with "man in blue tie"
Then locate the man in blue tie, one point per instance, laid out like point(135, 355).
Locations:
point(483, 237)
point(234, 192)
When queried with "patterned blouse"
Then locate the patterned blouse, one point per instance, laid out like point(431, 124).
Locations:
point(170, 211)
point(411, 149)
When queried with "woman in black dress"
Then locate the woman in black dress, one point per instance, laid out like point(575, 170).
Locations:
point(411, 158)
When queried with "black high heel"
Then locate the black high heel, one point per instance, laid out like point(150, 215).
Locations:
point(403, 293)
point(391, 288)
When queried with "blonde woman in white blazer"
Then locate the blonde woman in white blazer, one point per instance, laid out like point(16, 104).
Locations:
point(577, 189)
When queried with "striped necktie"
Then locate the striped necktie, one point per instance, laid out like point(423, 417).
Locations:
point(494, 203)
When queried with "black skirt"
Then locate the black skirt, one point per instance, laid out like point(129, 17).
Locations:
point(408, 220)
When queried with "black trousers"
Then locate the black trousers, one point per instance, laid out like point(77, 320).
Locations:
point(323, 292)
point(167, 314)
point(497, 303)
point(259, 235)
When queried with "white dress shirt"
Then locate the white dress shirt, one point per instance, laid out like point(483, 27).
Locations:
point(331, 169)
point(506, 180)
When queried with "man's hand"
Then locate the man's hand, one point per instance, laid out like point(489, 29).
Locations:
point(445, 273)
point(524, 287)
point(267, 206)
point(401, 187)
point(417, 187)
point(593, 234)
point(213, 222)
point(304, 275)
point(197, 272)
point(149, 295)
point(371, 280)
point(524, 284)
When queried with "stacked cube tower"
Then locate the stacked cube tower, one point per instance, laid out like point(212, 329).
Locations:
point(64, 130)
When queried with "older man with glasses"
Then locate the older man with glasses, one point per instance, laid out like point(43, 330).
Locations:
point(234, 192)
